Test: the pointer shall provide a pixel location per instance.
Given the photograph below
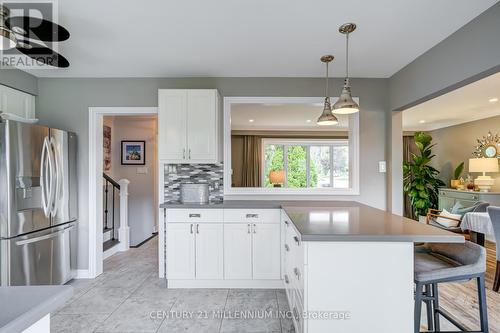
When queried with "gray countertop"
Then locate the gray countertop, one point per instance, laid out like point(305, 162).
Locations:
point(341, 221)
point(21, 307)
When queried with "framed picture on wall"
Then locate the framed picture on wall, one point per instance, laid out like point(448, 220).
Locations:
point(133, 152)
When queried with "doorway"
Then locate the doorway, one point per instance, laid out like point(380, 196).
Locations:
point(97, 116)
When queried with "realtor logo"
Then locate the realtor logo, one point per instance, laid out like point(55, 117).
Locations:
point(29, 38)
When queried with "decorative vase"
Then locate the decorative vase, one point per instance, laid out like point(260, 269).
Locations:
point(455, 183)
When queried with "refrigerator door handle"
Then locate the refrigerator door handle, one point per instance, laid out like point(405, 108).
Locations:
point(56, 175)
point(43, 176)
point(48, 236)
point(50, 157)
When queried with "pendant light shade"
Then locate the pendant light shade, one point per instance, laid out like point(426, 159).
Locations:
point(346, 104)
point(327, 117)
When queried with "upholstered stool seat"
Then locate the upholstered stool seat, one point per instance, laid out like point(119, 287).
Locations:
point(439, 263)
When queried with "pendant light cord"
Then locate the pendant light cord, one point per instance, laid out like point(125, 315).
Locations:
point(347, 55)
point(326, 86)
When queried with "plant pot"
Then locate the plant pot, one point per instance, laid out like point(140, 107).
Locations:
point(422, 219)
point(455, 183)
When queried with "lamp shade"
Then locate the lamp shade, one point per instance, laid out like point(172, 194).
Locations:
point(483, 165)
point(277, 177)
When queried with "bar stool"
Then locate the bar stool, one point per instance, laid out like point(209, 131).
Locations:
point(494, 213)
point(437, 263)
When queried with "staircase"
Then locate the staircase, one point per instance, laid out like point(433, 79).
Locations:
point(115, 216)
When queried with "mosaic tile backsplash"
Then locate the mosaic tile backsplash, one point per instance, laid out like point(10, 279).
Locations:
point(177, 174)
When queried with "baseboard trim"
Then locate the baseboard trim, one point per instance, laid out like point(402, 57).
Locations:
point(254, 284)
point(82, 274)
point(109, 252)
point(145, 241)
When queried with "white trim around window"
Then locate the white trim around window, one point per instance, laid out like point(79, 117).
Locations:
point(353, 151)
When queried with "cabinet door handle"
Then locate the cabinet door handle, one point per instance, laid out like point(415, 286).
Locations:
point(248, 228)
point(197, 228)
point(254, 228)
point(194, 215)
point(287, 281)
point(297, 273)
point(184, 154)
point(287, 248)
point(296, 314)
point(191, 228)
point(286, 223)
point(296, 239)
point(252, 216)
point(189, 153)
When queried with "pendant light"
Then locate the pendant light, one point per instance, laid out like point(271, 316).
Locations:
point(345, 104)
point(7, 37)
point(327, 117)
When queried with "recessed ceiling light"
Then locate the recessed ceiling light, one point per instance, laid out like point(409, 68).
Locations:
point(308, 120)
point(251, 120)
point(422, 121)
point(493, 100)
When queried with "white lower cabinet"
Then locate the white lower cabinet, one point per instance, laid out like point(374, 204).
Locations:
point(180, 251)
point(212, 248)
point(209, 251)
point(237, 251)
point(266, 251)
point(194, 251)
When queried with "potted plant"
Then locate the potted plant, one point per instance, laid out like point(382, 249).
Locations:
point(456, 181)
point(421, 180)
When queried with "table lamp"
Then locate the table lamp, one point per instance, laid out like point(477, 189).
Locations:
point(483, 165)
point(277, 177)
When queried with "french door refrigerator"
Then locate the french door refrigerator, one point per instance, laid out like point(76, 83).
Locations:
point(38, 204)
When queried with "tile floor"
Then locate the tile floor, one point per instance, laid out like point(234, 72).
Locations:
point(128, 297)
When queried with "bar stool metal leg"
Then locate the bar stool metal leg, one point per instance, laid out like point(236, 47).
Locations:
point(483, 309)
point(435, 294)
point(418, 307)
point(429, 307)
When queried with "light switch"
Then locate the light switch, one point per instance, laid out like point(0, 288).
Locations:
point(142, 170)
point(382, 167)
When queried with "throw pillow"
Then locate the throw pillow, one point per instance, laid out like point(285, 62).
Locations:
point(441, 219)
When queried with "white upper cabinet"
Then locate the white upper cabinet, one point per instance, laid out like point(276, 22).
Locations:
point(172, 126)
point(188, 126)
point(17, 102)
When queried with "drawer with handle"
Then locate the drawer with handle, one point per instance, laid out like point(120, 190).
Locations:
point(252, 215)
point(195, 215)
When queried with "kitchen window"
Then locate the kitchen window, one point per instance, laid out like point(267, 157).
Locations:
point(306, 163)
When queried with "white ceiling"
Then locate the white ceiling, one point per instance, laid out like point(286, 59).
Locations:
point(459, 106)
point(259, 38)
point(283, 117)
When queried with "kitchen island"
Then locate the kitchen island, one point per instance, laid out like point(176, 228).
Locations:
point(27, 308)
point(346, 267)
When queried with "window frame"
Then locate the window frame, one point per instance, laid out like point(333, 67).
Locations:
point(354, 152)
point(307, 143)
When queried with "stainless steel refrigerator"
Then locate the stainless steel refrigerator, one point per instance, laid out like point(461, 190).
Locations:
point(38, 204)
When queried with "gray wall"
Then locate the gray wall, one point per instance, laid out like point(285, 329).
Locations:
point(19, 80)
point(64, 103)
point(455, 144)
point(468, 54)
